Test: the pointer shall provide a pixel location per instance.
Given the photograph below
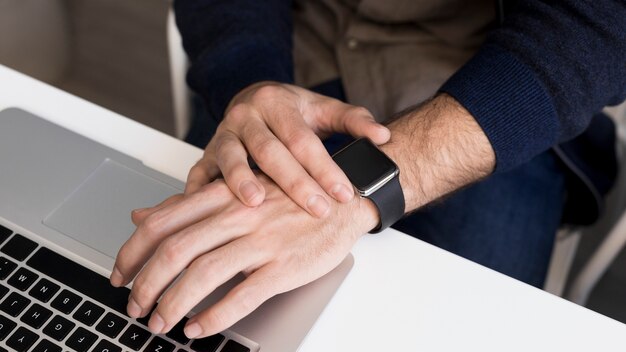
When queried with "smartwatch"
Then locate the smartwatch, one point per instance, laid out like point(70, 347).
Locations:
point(374, 176)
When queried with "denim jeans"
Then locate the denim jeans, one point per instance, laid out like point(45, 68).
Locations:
point(506, 222)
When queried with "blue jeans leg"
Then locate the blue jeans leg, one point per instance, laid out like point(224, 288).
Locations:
point(506, 222)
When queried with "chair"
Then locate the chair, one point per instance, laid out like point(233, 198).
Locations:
point(615, 240)
point(181, 95)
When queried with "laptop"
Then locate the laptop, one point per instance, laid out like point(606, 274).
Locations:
point(65, 202)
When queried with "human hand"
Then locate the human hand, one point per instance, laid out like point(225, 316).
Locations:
point(209, 236)
point(279, 126)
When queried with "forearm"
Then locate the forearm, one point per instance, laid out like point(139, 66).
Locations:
point(439, 147)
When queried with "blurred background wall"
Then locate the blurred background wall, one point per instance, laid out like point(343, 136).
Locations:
point(110, 52)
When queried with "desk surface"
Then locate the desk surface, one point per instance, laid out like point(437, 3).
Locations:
point(402, 295)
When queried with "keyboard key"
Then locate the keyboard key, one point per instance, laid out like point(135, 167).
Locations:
point(111, 325)
point(44, 290)
point(158, 344)
point(22, 279)
point(207, 344)
point(88, 313)
point(14, 304)
point(81, 340)
point(22, 339)
point(6, 267)
point(3, 290)
point(106, 346)
point(46, 346)
point(4, 233)
point(177, 333)
point(19, 247)
point(6, 326)
point(36, 316)
point(58, 328)
point(80, 279)
point(135, 337)
point(234, 346)
point(66, 301)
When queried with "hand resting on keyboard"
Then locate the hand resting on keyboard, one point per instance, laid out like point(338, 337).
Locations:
point(212, 236)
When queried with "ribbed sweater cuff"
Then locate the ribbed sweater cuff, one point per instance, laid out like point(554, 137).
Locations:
point(223, 72)
point(509, 103)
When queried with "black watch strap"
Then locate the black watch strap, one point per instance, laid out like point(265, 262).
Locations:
point(389, 200)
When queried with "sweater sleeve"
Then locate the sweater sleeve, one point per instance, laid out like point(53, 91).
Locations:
point(540, 77)
point(234, 43)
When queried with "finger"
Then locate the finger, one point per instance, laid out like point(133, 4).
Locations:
point(139, 215)
point(203, 276)
point(279, 164)
point(144, 241)
point(355, 121)
point(309, 151)
point(232, 160)
point(242, 300)
point(204, 171)
point(176, 252)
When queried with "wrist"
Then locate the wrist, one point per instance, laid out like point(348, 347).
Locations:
point(438, 147)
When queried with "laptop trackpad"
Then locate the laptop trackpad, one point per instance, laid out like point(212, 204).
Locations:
point(97, 213)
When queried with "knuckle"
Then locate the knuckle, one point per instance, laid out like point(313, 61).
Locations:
point(172, 250)
point(300, 143)
point(237, 113)
point(266, 92)
point(265, 149)
point(152, 225)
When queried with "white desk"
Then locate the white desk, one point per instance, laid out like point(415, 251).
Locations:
point(402, 295)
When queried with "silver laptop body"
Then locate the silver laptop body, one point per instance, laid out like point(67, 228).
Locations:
point(73, 196)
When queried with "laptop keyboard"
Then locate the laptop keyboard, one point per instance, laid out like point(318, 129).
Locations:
point(49, 303)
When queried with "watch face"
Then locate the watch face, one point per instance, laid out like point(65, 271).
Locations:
point(365, 165)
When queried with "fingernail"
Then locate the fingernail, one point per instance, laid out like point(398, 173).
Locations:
point(318, 205)
point(156, 323)
point(193, 330)
point(249, 191)
point(116, 277)
point(342, 193)
point(133, 309)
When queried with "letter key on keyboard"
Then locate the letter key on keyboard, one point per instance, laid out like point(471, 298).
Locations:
point(22, 279)
point(58, 328)
point(135, 337)
point(81, 340)
point(14, 304)
point(22, 339)
point(36, 316)
point(44, 290)
point(46, 346)
point(111, 325)
point(88, 313)
point(6, 326)
point(66, 301)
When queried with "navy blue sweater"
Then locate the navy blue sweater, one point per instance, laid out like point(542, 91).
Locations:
point(536, 81)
